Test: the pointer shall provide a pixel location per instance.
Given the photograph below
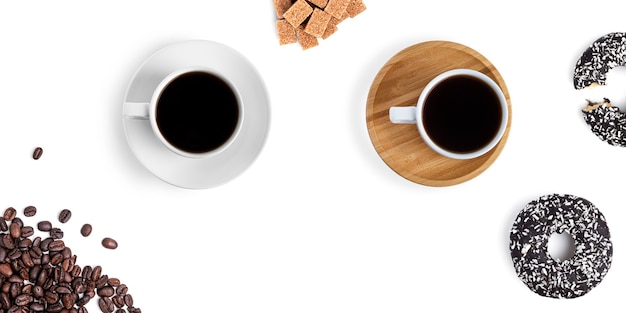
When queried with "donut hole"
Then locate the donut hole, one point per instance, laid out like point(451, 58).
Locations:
point(613, 89)
point(561, 246)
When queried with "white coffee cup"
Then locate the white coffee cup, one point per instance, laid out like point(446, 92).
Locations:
point(452, 99)
point(195, 112)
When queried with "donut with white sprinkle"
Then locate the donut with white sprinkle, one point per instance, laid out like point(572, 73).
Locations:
point(609, 51)
point(545, 275)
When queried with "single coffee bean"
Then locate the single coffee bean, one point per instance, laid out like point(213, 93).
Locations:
point(122, 290)
point(109, 243)
point(95, 274)
point(62, 290)
point(14, 289)
point(15, 231)
point(27, 260)
point(51, 297)
point(27, 288)
point(87, 270)
point(56, 233)
point(38, 291)
point(27, 231)
point(85, 230)
point(118, 301)
point(55, 307)
point(37, 153)
point(114, 282)
point(30, 211)
point(106, 291)
point(3, 225)
point(55, 258)
point(57, 245)
point(106, 305)
point(68, 300)
point(9, 214)
point(65, 215)
point(23, 299)
point(44, 226)
point(15, 254)
point(128, 299)
point(6, 270)
point(37, 307)
point(7, 241)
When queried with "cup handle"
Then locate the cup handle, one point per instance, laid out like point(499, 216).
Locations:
point(136, 110)
point(403, 115)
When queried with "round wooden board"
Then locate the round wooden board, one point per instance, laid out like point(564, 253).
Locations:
point(399, 83)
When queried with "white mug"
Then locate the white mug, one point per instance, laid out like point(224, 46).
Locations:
point(452, 100)
point(195, 112)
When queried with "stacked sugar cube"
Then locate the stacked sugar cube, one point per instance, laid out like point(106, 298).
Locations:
point(306, 21)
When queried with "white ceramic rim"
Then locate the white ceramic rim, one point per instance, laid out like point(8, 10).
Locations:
point(155, 100)
point(462, 72)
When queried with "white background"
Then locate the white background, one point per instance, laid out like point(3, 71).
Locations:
point(318, 223)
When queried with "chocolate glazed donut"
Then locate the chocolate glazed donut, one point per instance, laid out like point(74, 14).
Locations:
point(529, 237)
point(609, 51)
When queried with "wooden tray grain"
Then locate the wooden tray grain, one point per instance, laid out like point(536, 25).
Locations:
point(399, 83)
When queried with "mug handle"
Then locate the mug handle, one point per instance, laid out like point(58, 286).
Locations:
point(403, 115)
point(136, 110)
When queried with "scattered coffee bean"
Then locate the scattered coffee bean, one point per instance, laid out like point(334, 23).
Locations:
point(114, 282)
point(56, 245)
point(106, 305)
point(37, 153)
point(15, 230)
point(106, 291)
point(65, 215)
point(30, 211)
point(9, 214)
point(56, 233)
point(109, 243)
point(44, 226)
point(85, 230)
point(27, 231)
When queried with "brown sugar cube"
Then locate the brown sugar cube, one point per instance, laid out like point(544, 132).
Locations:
point(355, 8)
point(317, 23)
point(286, 32)
point(331, 28)
point(337, 8)
point(306, 40)
point(281, 6)
point(319, 3)
point(298, 12)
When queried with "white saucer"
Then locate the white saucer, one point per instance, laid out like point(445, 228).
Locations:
point(216, 169)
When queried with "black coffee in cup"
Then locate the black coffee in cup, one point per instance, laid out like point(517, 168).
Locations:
point(462, 114)
point(197, 112)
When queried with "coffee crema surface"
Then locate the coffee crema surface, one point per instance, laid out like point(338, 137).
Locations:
point(197, 112)
point(462, 114)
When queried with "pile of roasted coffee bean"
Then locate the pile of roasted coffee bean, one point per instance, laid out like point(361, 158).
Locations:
point(41, 274)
